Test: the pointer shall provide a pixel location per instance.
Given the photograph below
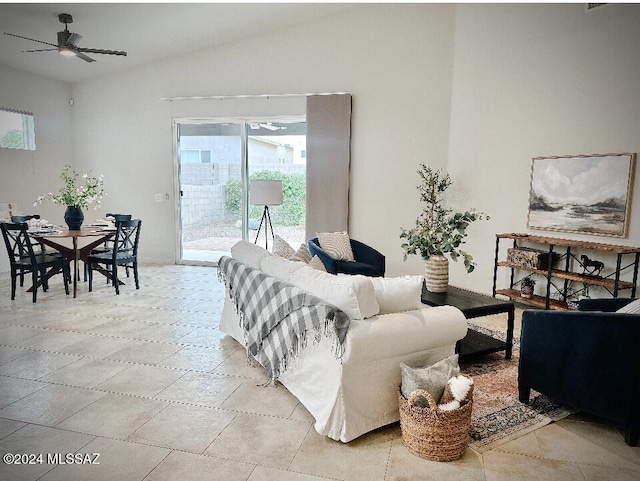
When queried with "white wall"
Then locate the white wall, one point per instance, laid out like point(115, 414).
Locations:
point(537, 80)
point(396, 60)
point(477, 89)
point(25, 174)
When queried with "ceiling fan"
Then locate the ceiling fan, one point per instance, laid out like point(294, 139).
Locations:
point(68, 43)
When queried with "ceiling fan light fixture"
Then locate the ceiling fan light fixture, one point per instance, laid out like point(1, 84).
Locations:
point(66, 51)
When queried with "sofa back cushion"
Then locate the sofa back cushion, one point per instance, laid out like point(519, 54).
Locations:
point(249, 253)
point(279, 267)
point(397, 294)
point(354, 295)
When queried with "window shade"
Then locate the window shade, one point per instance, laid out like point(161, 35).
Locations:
point(328, 161)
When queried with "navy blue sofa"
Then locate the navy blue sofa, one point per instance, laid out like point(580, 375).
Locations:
point(587, 359)
point(369, 262)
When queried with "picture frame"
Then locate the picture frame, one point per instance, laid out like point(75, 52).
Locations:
point(585, 194)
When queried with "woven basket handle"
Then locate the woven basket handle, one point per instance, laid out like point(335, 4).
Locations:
point(424, 394)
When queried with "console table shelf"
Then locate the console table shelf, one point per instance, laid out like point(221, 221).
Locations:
point(611, 283)
point(573, 276)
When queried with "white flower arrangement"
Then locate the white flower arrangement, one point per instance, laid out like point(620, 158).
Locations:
point(69, 194)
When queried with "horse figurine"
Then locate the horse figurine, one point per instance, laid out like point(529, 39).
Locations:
point(591, 267)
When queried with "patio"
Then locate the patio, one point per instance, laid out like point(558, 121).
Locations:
point(207, 243)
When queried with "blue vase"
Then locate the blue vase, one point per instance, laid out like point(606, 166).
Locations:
point(74, 217)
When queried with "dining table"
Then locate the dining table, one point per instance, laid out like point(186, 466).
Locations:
point(54, 237)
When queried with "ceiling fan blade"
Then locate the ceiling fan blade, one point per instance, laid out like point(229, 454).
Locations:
point(73, 39)
point(84, 57)
point(32, 39)
point(97, 50)
point(40, 50)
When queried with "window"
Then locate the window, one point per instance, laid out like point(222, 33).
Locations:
point(195, 156)
point(16, 130)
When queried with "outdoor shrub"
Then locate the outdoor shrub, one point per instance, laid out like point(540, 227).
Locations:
point(292, 210)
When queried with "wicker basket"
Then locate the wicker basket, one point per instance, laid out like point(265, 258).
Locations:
point(432, 433)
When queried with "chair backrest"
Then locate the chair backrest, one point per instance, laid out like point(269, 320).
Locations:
point(18, 219)
point(125, 242)
point(18, 242)
point(118, 217)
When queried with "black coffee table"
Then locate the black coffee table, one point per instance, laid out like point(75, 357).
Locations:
point(475, 305)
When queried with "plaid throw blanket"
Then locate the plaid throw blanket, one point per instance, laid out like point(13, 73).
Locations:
point(278, 319)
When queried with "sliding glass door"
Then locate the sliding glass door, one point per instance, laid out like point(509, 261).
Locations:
point(277, 151)
point(215, 162)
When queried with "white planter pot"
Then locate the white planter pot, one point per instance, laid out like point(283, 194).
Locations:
point(436, 273)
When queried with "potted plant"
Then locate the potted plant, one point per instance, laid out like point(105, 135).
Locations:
point(438, 231)
point(76, 197)
point(526, 287)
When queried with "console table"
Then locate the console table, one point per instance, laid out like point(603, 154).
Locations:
point(562, 252)
point(473, 305)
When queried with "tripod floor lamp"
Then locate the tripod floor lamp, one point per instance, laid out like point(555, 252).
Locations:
point(266, 193)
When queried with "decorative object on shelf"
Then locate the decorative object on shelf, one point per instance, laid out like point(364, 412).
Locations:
point(76, 197)
point(438, 231)
point(526, 287)
point(588, 194)
point(529, 257)
point(584, 293)
point(591, 267)
point(266, 193)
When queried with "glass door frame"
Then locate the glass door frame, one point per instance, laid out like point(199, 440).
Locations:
point(244, 123)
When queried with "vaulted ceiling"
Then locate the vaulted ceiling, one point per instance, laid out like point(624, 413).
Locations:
point(148, 32)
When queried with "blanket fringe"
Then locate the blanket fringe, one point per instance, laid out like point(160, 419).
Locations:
point(326, 330)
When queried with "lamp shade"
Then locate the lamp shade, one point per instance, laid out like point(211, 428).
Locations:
point(265, 192)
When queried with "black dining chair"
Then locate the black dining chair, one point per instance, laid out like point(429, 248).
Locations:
point(124, 253)
point(22, 258)
point(108, 245)
point(19, 219)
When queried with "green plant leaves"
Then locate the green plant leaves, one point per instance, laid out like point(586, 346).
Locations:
point(437, 230)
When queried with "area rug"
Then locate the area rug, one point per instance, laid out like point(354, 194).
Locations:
point(498, 416)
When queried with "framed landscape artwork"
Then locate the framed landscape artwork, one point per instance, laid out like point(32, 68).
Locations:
point(587, 194)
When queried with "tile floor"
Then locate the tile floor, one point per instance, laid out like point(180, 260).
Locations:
point(146, 380)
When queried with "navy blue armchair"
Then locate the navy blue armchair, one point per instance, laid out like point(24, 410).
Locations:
point(369, 262)
point(587, 359)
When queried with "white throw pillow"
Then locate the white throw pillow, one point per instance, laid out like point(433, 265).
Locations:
point(337, 245)
point(279, 267)
point(631, 308)
point(397, 294)
point(354, 295)
point(282, 248)
point(249, 253)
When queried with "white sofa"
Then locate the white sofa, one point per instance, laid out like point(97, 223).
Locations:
point(353, 395)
